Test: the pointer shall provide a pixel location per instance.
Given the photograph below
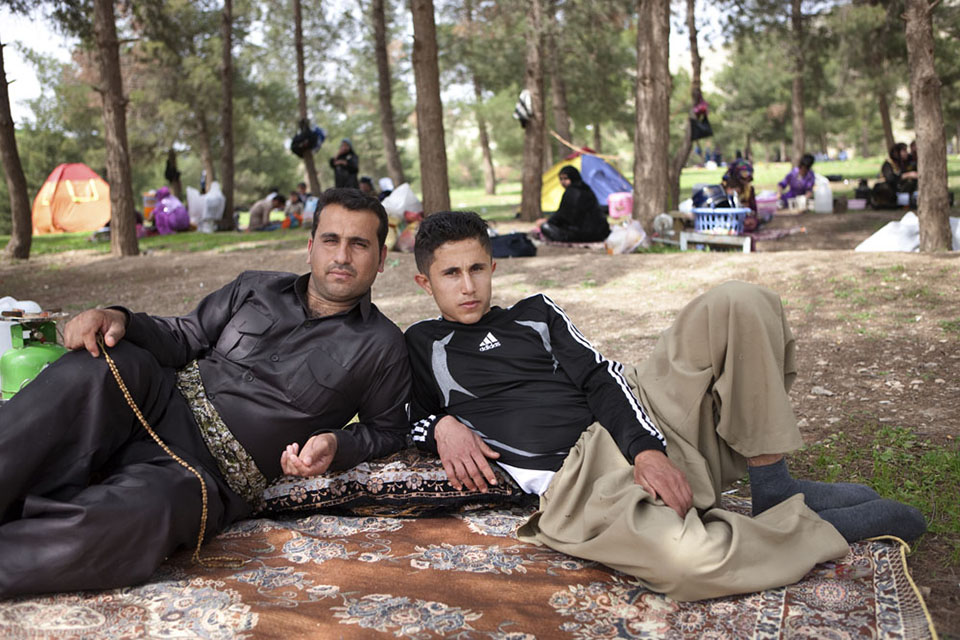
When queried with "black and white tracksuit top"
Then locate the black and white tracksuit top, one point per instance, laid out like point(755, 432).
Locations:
point(525, 380)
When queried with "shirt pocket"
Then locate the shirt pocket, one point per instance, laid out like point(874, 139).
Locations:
point(322, 386)
point(244, 332)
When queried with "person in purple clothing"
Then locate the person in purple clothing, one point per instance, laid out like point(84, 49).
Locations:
point(799, 182)
point(170, 215)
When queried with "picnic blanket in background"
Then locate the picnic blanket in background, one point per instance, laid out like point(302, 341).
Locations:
point(463, 576)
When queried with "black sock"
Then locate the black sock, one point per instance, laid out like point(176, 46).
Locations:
point(771, 484)
point(876, 518)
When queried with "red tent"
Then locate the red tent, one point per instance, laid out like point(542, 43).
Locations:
point(74, 198)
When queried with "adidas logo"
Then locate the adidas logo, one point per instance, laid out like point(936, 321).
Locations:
point(490, 342)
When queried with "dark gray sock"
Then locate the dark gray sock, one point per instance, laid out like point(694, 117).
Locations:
point(771, 484)
point(880, 517)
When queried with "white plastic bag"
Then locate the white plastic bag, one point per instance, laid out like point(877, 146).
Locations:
point(625, 238)
point(402, 199)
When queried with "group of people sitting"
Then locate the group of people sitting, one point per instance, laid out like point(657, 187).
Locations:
point(292, 206)
point(629, 462)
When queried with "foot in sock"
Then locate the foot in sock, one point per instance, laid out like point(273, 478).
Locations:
point(879, 517)
point(771, 484)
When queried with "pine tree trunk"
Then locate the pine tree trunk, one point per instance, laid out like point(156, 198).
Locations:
point(385, 93)
point(884, 107)
point(226, 115)
point(597, 138)
point(797, 99)
point(558, 85)
point(205, 146)
point(547, 147)
point(489, 175)
point(21, 233)
point(123, 221)
point(933, 209)
point(532, 180)
point(652, 136)
point(426, 71)
point(683, 152)
point(312, 180)
point(864, 139)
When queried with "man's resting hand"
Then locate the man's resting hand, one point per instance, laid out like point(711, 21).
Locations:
point(659, 477)
point(315, 458)
point(464, 455)
point(81, 332)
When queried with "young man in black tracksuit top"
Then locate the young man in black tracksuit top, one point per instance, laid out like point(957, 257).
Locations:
point(629, 462)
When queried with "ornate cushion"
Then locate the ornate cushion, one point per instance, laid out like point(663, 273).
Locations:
point(407, 483)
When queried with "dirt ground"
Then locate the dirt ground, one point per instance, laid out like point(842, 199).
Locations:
point(879, 333)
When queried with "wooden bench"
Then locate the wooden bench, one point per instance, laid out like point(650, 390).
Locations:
point(687, 237)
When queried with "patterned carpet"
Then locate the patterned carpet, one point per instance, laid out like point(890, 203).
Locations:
point(462, 576)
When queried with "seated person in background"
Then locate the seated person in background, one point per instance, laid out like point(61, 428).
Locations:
point(170, 215)
point(366, 185)
point(896, 178)
point(260, 212)
point(579, 218)
point(386, 187)
point(799, 182)
point(302, 192)
point(738, 180)
point(630, 462)
point(293, 212)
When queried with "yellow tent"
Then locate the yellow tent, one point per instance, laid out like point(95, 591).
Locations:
point(74, 198)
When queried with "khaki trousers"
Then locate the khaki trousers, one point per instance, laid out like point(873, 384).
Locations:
point(716, 385)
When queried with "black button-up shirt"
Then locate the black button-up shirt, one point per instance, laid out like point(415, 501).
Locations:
point(278, 375)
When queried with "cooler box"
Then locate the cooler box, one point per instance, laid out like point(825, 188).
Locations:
point(620, 204)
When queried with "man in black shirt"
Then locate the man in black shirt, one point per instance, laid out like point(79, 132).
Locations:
point(630, 462)
point(258, 380)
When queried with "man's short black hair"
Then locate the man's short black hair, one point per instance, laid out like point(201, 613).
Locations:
point(442, 227)
point(353, 200)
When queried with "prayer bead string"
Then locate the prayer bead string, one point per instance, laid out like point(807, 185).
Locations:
point(211, 562)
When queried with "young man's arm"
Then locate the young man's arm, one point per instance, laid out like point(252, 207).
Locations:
point(462, 452)
point(619, 411)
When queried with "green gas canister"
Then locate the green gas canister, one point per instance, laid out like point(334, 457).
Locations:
point(33, 346)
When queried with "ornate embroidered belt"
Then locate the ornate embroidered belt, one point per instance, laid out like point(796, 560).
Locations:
point(235, 463)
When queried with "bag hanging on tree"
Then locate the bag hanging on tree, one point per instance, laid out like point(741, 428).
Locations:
point(700, 128)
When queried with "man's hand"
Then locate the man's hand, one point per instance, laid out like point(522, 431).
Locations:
point(315, 458)
point(81, 332)
point(659, 477)
point(464, 455)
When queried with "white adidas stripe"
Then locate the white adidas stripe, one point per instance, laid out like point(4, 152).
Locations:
point(614, 368)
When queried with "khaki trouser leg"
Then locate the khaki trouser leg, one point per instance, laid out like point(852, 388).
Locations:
point(717, 382)
point(594, 510)
point(716, 385)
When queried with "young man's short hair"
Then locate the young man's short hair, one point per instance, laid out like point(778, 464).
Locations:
point(353, 200)
point(448, 226)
